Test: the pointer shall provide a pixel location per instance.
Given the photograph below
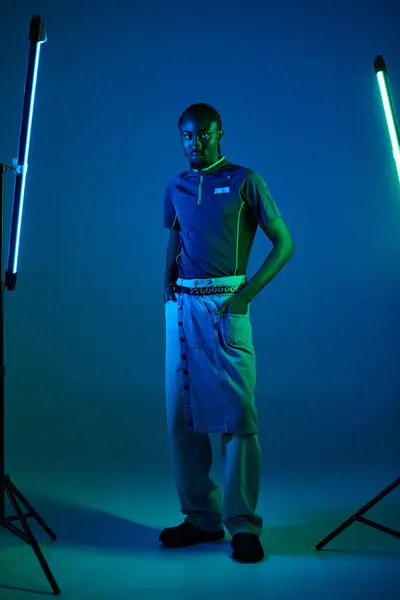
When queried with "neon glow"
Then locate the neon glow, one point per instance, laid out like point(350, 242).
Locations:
point(25, 164)
point(390, 118)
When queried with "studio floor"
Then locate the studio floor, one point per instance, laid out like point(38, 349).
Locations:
point(107, 525)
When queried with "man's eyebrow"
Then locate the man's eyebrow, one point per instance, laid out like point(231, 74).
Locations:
point(190, 131)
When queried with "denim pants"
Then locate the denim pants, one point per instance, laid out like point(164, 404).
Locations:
point(210, 381)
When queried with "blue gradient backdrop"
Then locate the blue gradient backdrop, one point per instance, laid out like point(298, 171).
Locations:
point(295, 85)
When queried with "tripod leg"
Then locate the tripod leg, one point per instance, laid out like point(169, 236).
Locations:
point(336, 532)
point(358, 516)
point(10, 490)
point(32, 512)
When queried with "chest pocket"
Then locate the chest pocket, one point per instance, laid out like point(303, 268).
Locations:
point(219, 205)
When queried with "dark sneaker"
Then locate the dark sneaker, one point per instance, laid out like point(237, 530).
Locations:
point(188, 534)
point(247, 548)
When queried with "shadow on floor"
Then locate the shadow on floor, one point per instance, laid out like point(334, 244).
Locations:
point(80, 526)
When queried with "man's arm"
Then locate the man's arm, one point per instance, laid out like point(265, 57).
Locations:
point(283, 249)
point(171, 267)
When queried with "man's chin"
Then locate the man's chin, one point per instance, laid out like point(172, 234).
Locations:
point(197, 160)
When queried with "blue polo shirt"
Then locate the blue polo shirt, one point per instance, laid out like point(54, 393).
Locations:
point(217, 211)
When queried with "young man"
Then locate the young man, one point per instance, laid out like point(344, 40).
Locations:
point(212, 211)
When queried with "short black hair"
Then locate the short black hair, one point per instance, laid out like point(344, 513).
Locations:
point(195, 110)
point(202, 109)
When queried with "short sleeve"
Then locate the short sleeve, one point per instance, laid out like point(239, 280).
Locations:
point(170, 216)
point(257, 195)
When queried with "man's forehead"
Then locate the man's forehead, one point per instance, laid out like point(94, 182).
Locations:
point(199, 124)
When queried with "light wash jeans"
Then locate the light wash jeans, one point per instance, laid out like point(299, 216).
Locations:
point(210, 380)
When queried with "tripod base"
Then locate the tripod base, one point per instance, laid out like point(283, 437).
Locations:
point(26, 535)
point(358, 516)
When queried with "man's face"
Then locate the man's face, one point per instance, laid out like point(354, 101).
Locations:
point(200, 140)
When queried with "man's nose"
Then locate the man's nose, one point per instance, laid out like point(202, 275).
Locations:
point(197, 142)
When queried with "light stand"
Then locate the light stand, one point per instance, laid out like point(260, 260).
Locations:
point(381, 72)
point(36, 37)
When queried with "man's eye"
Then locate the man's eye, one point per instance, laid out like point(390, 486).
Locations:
point(188, 136)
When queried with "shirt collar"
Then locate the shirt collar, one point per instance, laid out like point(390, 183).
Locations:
point(211, 166)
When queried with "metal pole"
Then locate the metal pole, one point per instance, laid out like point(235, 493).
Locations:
point(2, 369)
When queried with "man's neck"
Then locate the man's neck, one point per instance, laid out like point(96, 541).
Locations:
point(220, 159)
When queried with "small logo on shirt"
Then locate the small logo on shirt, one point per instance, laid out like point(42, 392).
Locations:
point(224, 190)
